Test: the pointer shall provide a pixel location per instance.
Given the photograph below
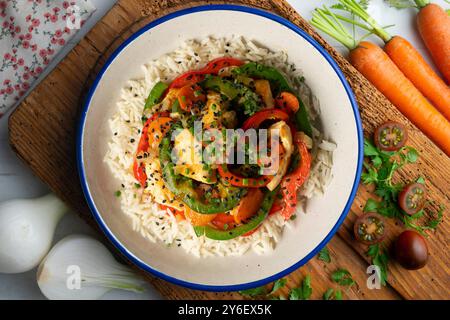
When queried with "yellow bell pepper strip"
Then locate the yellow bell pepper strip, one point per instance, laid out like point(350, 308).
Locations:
point(248, 226)
point(198, 219)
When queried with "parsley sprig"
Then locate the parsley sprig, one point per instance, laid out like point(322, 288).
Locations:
point(379, 170)
point(324, 255)
point(303, 292)
point(379, 258)
point(331, 294)
point(343, 277)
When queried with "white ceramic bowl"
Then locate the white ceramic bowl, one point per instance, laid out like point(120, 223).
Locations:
point(340, 120)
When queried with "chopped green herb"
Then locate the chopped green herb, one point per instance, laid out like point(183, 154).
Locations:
point(137, 185)
point(280, 283)
point(379, 258)
point(342, 277)
point(254, 292)
point(331, 294)
point(324, 255)
point(420, 180)
point(303, 292)
point(117, 193)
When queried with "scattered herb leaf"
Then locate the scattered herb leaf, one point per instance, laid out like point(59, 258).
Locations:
point(331, 294)
point(324, 255)
point(380, 258)
point(280, 283)
point(254, 292)
point(303, 292)
point(342, 277)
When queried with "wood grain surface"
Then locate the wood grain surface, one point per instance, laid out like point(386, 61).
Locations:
point(42, 132)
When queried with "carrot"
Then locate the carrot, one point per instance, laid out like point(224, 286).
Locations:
point(434, 28)
point(379, 69)
point(415, 68)
point(287, 100)
point(408, 60)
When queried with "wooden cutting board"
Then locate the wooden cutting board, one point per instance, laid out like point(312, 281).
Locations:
point(42, 132)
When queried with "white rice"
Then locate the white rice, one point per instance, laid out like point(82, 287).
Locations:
point(146, 217)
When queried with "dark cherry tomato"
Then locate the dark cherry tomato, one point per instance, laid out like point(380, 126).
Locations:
point(390, 136)
point(412, 198)
point(369, 228)
point(411, 250)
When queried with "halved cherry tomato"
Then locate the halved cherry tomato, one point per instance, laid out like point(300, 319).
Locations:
point(190, 95)
point(157, 125)
point(233, 179)
point(294, 180)
point(412, 198)
point(269, 114)
point(369, 228)
point(198, 219)
point(213, 67)
point(390, 136)
point(248, 206)
point(287, 102)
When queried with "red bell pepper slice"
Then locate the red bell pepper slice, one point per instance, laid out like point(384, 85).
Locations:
point(293, 181)
point(213, 67)
point(261, 116)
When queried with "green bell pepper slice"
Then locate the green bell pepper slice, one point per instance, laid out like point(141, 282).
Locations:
point(251, 225)
point(182, 187)
point(155, 95)
point(280, 84)
point(223, 86)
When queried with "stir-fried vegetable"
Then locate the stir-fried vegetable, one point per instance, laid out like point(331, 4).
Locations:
point(223, 200)
point(155, 95)
point(278, 84)
point(247, 227)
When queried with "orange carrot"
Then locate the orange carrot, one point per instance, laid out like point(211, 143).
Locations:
point(434, 27)
point(379, 69)
point(416, 69)
point(287, 100)
point(406, 57)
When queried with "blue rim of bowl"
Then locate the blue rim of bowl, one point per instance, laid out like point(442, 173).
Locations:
point(130, 255)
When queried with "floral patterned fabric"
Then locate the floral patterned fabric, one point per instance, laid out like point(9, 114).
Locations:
point(31, 33)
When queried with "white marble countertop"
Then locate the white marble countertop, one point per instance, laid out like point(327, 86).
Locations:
point(17, 181)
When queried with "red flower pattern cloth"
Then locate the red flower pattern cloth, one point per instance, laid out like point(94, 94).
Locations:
point(31, 33)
